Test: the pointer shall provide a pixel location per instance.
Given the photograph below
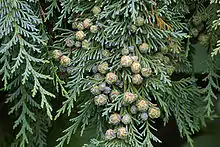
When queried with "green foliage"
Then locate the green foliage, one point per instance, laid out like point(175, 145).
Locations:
point(212, 79)
point(186, 96)
point(215, 25)
point(32, 76)
point(115, 33)
point(21, 45)
point(208, 14)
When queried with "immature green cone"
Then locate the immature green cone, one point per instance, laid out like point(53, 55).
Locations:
point(146, 72)
point(114, 119)
point(137, 79)
point(144, 116)
point(154, 112)
point(122, 133)
point(114, 94)
point(126, 119)
point(134, 58)
point(144, 48)
point(126, 61)
point(87, 23)
point(159, 56)
point(139, 21)
point(106, 53)
point(142, 105)
point(78, 44)
point(107, 90)
point(95, 69)
point(80, 26)
point(203, 39)
point(64, 60)
point(166, 60)
point(109, 134)
point(136, 67)
point(164, 49)
point(80, 35)
point(131, 49)
point(170, 70)
point(133, 109)
point(125, 51)
point(85, 44)
point(129, 97)
point(69, 43)
point(94, 29)
point(119, 83)
point(197, 19)
point(102, 86)
point(103, 68)
point(96, 10)
point(133, 28)
point(74, 25)
point(56, 54)
point(194, 32)
point(100, 100)
point(111, 78)
point(95, 90)
point(98, 77)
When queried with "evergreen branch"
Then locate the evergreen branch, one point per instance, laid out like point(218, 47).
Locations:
point(82, 118)
point(50, 9)
point(113, 107)
point(40, 127)
point(183, 97)
point(23, 118)
point(5, 69)
point(19, 23)
point(212, 79)
point(216, 50)
point(66, 7)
